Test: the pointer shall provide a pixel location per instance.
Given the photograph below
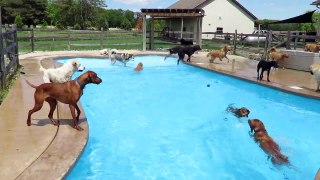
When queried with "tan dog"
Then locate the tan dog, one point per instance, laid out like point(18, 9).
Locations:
point(266, 143)
point(312, 47)
point(277, 56)
point(67, 93)
point(315, 70)
point(219, 54)
point(139, 67)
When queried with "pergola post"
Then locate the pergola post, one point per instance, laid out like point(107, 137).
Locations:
point(151, 45)
point(199, 31)
point(144, 33)
point(181, 29)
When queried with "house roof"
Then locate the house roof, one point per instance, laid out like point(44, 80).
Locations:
point(316, 2)
point(196, 4)
point(173, 12)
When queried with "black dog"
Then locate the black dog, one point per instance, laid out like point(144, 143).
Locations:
point(265, 66)
point(182, 51)
point(186, 42)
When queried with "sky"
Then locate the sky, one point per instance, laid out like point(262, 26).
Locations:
point(262, 9)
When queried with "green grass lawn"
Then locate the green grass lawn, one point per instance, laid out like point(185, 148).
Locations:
point(91, 40)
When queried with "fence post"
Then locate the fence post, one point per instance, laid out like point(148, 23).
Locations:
point(266, 44)
point(288, 40)
point(69, 40)
point(235, 42)
point(15, 37)
point(32, 39)
point(2, 68)
point(101, 38)
point(295, 43)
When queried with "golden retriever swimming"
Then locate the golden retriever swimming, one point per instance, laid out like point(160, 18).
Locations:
point(219, 54)
point(139, 67)
point(266, 143)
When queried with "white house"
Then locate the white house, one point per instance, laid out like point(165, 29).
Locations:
point(224, 16)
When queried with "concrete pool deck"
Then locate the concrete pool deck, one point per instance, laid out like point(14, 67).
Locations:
point(43, 150)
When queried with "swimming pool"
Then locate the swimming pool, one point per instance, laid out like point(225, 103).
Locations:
point(166, 123)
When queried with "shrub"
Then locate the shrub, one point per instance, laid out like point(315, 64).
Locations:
point(18, 21)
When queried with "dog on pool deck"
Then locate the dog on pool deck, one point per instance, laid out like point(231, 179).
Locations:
point(139, 67)
point(182, 51)
point(108, 52)
point(68, 93)
point(265, 66)
point(124, 58)
point(238, 112)
point(312, 47)
point(266, 143)
point(315, 70)
point(219, 54)
point(277, 56)
point(61, 74)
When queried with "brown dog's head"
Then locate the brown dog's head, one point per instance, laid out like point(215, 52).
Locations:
point(243, 112)
point(256, 125)
point(226, 48)
point(93, 77)
point(88, 77)
point(272, 50)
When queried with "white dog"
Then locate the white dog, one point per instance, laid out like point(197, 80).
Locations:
point(315, 70)
point(61, 74)
point(108, 52)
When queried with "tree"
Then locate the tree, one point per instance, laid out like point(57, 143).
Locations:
point(139, 23)
point(18, 21)
point(125, 24)
point(31, 11)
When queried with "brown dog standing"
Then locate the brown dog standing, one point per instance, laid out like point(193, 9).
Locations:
point(277, 56)
point(266, 142)
point(219, 54)
point(67, 93)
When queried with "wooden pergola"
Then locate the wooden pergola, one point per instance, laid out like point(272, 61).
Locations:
point(170, 13)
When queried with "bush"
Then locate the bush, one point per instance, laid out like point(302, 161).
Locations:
point(76, 27)
point(125, 24)
point(18, 21)
point(44, 25)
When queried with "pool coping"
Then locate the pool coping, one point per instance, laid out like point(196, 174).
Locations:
point(49, 163)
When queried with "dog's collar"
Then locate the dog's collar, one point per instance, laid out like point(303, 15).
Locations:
point(80, 84)
point(260, 130)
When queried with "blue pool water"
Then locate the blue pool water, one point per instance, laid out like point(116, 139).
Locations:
point(165, 123)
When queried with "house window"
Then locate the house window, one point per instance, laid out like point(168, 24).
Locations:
point(219, 30)
point(184, 29)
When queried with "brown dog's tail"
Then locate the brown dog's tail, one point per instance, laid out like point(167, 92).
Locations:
point(34, 86)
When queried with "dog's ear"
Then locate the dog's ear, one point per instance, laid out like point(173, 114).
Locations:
point(74, 63)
